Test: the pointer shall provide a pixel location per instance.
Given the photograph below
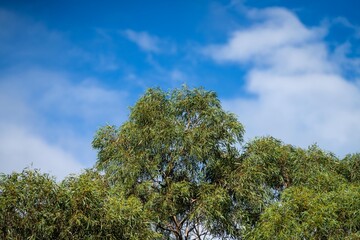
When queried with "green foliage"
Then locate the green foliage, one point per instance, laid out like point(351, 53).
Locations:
point(34, 206)
point(83, 206)
point(175, 170)
point(304, 213)
point(350, 167)
point(28, 202)
point(175, 154)
point(292, 193)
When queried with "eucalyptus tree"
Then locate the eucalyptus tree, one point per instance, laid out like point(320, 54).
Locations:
point(35, 206)
point(91, 210)
point(29, 203)
point(350, 167)
point(305, 213)
point(177, 169)
point(268, 167)
point(288, 192)
point(176, 154)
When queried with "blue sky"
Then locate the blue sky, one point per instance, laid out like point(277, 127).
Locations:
point(289, 69)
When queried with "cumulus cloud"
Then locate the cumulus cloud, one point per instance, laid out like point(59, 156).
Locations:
point(275, 30)
point(148, 42)
point(300, 93)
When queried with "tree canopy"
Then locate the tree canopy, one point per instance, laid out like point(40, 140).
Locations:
point(175, 154)
point(178, 169)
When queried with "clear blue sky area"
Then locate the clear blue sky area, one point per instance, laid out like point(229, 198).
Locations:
point(289, 69)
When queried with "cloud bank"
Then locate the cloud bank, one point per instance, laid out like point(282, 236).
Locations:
point(299, 92)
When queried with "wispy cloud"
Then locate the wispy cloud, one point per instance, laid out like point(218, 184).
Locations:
point(300, 93)
point(149, 43)
point(25, 41)
point(346, 23)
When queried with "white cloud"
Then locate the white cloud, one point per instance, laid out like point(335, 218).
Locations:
point(143, 40)
point(49, 121)
point(20, 149)
point(149, 43)
point(348, 64)
point(300, 94)
point(277, 30)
